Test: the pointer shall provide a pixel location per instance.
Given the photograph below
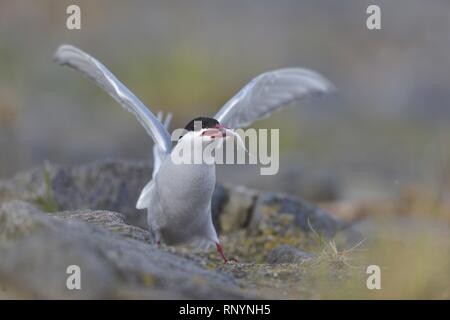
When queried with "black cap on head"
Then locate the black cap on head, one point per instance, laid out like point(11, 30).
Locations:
point(205, 123)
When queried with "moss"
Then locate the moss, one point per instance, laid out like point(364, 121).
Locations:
point(148, 279)
point(47, 202)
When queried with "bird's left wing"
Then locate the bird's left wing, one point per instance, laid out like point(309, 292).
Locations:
point(92, 68)
point(270, 92)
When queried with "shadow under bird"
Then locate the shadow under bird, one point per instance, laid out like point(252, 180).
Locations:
point(178, 197)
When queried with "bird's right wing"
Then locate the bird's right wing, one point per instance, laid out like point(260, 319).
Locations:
point(271, 92)
point(92, 68)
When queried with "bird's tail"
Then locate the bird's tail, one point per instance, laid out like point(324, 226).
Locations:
point(159, 154)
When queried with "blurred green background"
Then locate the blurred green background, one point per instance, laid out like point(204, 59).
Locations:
point(386, 127)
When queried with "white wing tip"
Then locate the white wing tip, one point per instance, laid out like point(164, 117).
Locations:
point(141, 203)
point(326, 85)
point(143, 200)
point(140, 206)
point(64, 52)
point(323, 85)
point(60, 52)
point(329, 86)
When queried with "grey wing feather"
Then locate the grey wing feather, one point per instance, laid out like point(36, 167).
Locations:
point(269, 92)
point(89, 66)
point(158, 154)
point(144, 198)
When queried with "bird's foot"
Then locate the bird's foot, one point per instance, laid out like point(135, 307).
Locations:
point(220, 250)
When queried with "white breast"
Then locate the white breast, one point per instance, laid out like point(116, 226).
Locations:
point(180, 208)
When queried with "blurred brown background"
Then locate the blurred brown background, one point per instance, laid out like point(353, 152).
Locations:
point(387, 126)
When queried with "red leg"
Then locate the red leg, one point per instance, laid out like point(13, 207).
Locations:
point(220, 250)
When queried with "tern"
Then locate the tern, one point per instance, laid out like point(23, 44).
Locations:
point(178, 197)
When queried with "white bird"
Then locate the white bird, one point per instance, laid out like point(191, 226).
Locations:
point(178, 197)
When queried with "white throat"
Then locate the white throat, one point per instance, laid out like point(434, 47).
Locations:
point(194, 149)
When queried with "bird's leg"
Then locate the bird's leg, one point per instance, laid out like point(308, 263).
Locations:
point(220, 250)
point(157, 238)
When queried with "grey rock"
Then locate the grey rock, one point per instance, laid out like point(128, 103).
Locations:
point(313, 186)
point(288, 254)
point(112, 266)
point(112, 221)
point(236, 210)
point(107, 185)
point(55, 216)
point(104, 185)
point(115, 186)
point(307, 217)
point(16, 225)
point(110, 185)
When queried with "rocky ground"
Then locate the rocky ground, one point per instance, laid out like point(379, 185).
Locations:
point(55, 216)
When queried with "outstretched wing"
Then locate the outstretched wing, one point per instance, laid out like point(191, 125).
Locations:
point(158, 154)
point(269, 92)
point(92, 68)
